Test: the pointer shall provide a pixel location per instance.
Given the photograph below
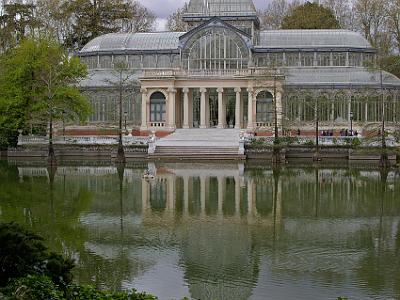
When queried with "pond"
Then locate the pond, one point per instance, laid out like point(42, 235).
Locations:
point(216, 231)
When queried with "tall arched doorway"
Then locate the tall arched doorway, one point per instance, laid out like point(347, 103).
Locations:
point(157, 107)
point(265, 108)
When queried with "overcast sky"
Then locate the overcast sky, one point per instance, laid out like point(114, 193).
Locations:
point(163, 8)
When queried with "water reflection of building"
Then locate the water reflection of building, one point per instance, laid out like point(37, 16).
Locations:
point(227, 228)
point(208, 192)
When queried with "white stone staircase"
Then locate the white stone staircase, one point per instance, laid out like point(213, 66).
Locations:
point(199, 144)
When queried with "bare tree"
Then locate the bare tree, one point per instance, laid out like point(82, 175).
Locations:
point(175, 22)
point(276, 11)
point(56, 17)
point(394, 22)
point(2, 2)
point(121, 81)
point(372, 21)
point(143, 20)
point(343, 11)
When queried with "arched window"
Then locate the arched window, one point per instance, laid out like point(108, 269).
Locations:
point(265, 107)
point(157, 107)
point(216, 48)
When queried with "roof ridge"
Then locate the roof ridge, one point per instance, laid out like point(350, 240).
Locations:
point(307, 30)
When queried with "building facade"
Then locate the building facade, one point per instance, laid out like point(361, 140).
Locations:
point(225, 72)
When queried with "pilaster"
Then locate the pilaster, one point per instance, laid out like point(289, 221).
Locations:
point(221, 121)
point(171, 116)
point(185, 108)
point(203, 92)
point(238, 92)
point(250, 119)
point(144, 109)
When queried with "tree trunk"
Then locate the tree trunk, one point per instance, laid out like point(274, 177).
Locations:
point(316, 154)
point(384, 161)
point(51, 156)
point(120, 154)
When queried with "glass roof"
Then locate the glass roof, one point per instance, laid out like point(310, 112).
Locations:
point(338, 76)
point(332, 76)
point(312, 38)
point(269, 39)
point(134, 41)
point(220, 8)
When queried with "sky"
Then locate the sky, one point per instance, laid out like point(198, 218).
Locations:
point(163, 8)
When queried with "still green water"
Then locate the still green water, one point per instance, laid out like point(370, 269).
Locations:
point(216, 231)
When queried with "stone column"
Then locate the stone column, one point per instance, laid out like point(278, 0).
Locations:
point(251, 199)
point(144, 109)
point(186, 196)
point(145, 195)
point(185, 108)
point(349, 109)
point(221, 193)
point(279, 108)
point(221, 121)
point(250, 124)
point(171, 108)
point(203, 92)
point(171, 196)
point(237, 196)
point(190, 107)
point(203, 195)
point(238, 92)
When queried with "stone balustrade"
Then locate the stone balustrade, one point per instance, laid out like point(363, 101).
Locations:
point(157, 124)
point(161, 73)
point(264, 124)
point(82, 140)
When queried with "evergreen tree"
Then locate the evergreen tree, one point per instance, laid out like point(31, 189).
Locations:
point(93, 18)
point(310, 16)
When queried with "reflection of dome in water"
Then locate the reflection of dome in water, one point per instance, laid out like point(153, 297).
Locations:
point(219, 261)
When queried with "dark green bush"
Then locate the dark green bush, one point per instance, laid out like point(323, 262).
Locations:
point(23, 253)
point(76, 292)
point(32, 287)
point(29, 272)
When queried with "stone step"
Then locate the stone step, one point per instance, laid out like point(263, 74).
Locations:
point(199, 157)
point(203, 144)
point(197, 151)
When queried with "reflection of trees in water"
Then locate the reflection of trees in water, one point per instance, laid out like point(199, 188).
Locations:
point(53, 205)
point(337, 213)
point(338, 193)
point(380, 267)
point(107, 259)
point(218, 259)
point(46, 205)
point(106, 272)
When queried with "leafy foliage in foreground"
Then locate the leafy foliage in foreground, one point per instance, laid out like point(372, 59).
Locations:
point(36, 287)
point(32, 287)
point(88, 292)
point(23, 252)
point(30, 272)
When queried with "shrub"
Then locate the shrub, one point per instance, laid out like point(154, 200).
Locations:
point(309, 143)
point(29, 272)
point(32, 287)
point(356, 142)
point(256, 142)
point(23, 253)
point(76, 292)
